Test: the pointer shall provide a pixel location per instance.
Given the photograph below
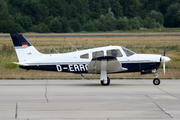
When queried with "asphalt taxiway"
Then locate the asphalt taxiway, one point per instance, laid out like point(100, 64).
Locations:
point(87, 99)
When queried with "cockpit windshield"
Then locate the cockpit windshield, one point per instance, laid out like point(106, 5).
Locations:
point(128, 52)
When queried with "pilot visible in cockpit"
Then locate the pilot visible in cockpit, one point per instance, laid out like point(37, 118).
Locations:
point(114, 53)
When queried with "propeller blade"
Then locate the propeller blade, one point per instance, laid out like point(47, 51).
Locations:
point(164, 67)
point(164, 50)
point(164, 59)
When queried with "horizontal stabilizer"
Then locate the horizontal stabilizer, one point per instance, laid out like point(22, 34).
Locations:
point(21, 64)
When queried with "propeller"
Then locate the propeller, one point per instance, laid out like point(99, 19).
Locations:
point(164, 50)
point(164, 59)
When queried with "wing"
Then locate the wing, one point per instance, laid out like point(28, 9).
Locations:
point(105, 63)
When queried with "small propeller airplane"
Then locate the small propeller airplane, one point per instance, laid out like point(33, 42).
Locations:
point(101, 60)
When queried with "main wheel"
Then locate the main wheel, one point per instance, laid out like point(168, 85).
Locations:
point(106, 84)
point(156, 81)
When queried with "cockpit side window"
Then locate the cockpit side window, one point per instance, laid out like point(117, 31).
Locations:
point(85, 56)
point(114, 52)
point(98, 54)
point(128, 52)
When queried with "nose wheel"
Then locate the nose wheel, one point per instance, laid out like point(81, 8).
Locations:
point(156, 81)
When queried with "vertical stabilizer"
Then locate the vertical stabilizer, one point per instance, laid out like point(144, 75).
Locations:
point(24, 50)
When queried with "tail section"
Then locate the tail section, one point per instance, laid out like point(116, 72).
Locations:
point(24, 49)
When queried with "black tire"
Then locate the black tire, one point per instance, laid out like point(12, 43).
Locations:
point(106, 84)
point(156, 81)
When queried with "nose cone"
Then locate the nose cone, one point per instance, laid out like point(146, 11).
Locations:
point(165, 59)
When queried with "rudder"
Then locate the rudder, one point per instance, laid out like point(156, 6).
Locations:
point(19, 40)
point(24, 49)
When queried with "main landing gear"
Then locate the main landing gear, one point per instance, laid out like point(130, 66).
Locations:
point(105, 83)
point(156, 81)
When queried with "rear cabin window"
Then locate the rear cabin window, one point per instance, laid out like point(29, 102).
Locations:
point(98, 54)
point(85, 56)
point(114, 52)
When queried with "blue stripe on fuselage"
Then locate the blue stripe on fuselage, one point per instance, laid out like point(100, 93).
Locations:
point(138, 67)
point(73, 68)
point(83, 68)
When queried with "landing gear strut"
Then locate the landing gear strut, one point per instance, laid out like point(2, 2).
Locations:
point(105, 83)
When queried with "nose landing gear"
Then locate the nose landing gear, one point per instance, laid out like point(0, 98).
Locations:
point(156, 81)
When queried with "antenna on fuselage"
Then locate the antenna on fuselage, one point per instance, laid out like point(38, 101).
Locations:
point(73, 46)
point(55, 49)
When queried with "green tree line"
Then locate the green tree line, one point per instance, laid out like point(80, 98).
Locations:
point(63, 16)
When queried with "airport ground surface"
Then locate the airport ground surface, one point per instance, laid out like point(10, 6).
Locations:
point(88, 100)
